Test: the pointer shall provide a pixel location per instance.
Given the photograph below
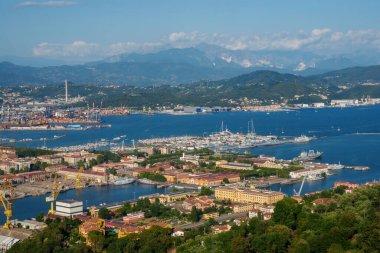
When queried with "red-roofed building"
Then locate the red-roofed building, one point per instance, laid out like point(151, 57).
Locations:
point(178, 232)
point(86, 175)
point(50, 159)
point(350, 186)
point(216, 229)
point(201, 203)
point(7, 152)
point(129, 229)
point(323, 201)
point(133, 217)
point(55, 168)
point(92, 224)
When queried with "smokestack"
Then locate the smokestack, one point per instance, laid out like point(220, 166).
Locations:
point(66, 89)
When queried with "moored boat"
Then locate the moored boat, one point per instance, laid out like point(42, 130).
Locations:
point(121, 181)
point(308, 156)
point(146, 181)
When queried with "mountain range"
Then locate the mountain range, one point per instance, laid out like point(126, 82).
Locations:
point(188, 65)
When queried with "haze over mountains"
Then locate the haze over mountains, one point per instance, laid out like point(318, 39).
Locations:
point(184, 65)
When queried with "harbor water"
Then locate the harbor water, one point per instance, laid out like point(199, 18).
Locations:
point(350, 136)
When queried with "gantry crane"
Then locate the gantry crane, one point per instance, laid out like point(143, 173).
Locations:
point(7, 187)
point(55, 190)
point(78, 179)
point(300, 190)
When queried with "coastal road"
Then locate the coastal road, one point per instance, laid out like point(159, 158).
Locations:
point(219, 219)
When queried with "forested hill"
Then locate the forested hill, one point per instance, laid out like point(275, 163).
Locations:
point(327, 222)
point(173, 67)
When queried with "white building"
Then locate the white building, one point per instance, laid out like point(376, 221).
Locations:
point(69, 208)
point(6, 243)
point(308, 172)
point(318, 105)
point(190, 158)
point(178, 232)
point(29, 224)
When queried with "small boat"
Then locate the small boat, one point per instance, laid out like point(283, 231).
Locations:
point(58, 136)
point(336, 166)
point(303, 138)
point(314, 178)
point(146, 181)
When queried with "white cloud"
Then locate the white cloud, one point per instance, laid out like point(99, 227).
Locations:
point(319, 40)
point(131, 47)
point(183, 36)
point(320, 32)
point(300, 67)
point(46, 4)
point(75, 49)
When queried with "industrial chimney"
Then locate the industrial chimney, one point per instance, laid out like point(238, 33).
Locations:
point(66, 89)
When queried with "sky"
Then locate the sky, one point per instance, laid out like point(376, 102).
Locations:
point(94, 29)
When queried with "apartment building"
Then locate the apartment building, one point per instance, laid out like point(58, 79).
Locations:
point(244, 195)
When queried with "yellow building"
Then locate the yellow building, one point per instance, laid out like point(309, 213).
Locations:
point(233, 166)
point(242, 207)
point(170, 177)
point(207, 216)
point(210, 179)
point(268, 165)
point(243, 195)
point(129, 229)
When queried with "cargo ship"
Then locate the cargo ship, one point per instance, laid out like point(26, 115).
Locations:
point(303, 138)
point(308, 156)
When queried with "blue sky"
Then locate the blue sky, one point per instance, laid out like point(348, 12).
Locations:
point(91, 29)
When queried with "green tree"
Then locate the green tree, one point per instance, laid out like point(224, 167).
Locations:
point(206, 191)
point(335, 248)
point(104, 213)
point(286, 212)
point(240, 245)
point(40, 217)
point(195, 214)
point(340, 189)
point(93, 162)
point(97, 240)
point(112, 171)
point(226, 181)
point(299, 246)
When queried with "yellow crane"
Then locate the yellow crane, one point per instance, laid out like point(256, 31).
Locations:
point(55, 190)
point(7, 202)
point(78, 180)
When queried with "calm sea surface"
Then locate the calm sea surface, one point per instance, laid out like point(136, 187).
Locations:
point(335, 128)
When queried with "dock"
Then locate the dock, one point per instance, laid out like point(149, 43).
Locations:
point(357, 168)
point(273, 181)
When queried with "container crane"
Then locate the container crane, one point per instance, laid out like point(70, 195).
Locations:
point(78, 179)
point(56, 189)
point(7, 202)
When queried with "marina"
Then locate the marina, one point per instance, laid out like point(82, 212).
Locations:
point(223, 141)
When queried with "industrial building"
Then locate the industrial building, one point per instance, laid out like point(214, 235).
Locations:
point(69, 208)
